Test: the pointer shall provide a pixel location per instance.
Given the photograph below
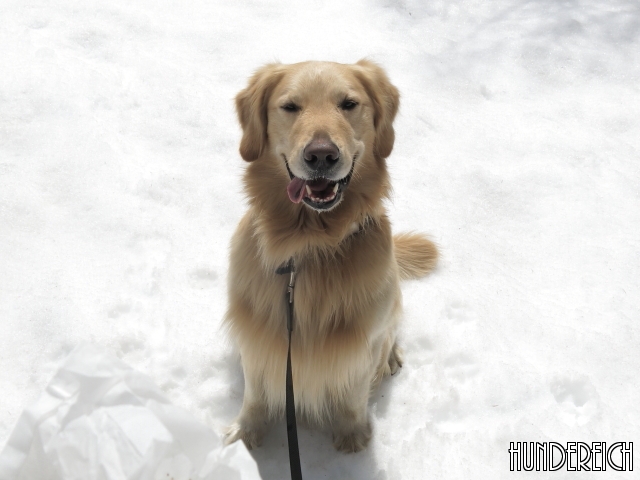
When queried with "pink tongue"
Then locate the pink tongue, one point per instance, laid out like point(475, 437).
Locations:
point(295, 189)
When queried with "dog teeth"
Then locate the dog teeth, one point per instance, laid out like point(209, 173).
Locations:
point(323, 200)
point(315, 199)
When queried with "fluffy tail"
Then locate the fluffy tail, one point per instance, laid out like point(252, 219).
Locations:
point(416, 254)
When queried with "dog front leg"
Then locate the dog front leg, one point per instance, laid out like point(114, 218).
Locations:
point(253, 420)
point(350, 424)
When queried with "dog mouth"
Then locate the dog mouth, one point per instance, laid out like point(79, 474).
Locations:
point(319, 193)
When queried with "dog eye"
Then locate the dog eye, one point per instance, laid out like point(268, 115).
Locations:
point(290, 107)
point(348, 104)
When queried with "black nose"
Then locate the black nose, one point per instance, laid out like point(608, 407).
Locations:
point(321, 154)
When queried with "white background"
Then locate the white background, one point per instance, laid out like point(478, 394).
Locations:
point(517, 149)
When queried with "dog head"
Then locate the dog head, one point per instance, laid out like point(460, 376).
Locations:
point(320, 121)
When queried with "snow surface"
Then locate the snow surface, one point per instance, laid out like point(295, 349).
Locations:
point(517, 149)
point(100, 419)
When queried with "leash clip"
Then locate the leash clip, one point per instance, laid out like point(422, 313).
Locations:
point(291, 270)
point(292, 281)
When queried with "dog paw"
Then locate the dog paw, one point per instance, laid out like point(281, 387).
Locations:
point(251, 438)
point(353, 441)
point(395, 359)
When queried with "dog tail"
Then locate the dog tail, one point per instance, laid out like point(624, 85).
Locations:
point(415, 253)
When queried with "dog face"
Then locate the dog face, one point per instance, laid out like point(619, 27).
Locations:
point(319, 120)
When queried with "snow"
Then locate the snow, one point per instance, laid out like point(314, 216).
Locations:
point(99, 418)
point(516, 148)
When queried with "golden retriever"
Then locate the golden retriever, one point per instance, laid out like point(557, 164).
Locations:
point(316, 136)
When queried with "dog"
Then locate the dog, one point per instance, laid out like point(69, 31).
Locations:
point(316, 136)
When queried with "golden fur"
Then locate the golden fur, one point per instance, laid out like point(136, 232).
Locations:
point(348, 265)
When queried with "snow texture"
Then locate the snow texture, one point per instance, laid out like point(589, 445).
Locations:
point(100, 419)
point(517, 149)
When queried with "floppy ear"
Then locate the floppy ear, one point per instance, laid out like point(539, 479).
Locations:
point(251, 105)
point(385, 98)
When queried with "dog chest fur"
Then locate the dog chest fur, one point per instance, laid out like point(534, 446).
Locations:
point(341, 321)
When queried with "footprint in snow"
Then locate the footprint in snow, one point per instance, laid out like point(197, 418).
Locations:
point(459, 312)
point(149, 258)
point(460, 367)
point(577, 399)
point(119, 310)
point(419, 351)
point(203, 277)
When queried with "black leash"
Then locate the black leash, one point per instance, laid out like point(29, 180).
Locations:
point(292, 431)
